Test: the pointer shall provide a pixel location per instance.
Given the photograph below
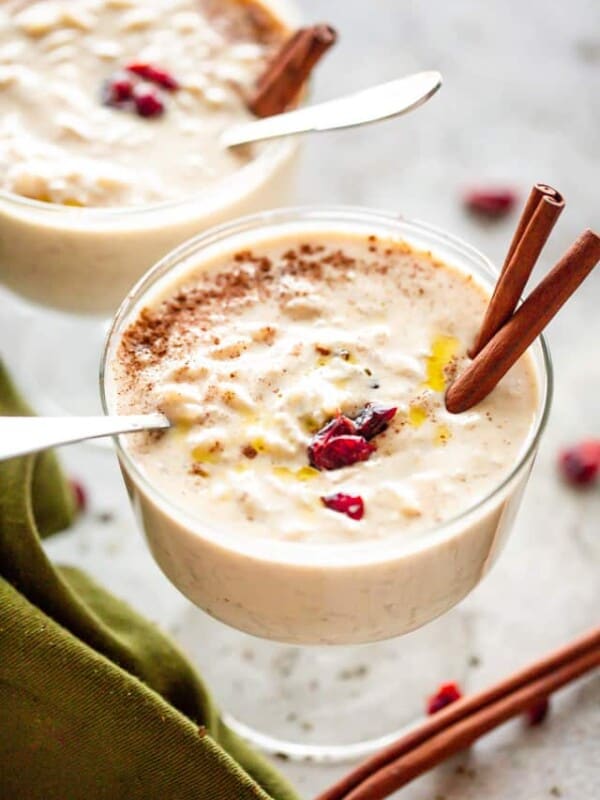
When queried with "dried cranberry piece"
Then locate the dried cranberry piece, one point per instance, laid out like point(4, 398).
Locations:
point(343, 441)
point(490, 202)
point(80, 496)
point(538, 713)
point(147, 102)
point(118, 91)
point(351, 506)
point(338, 426)
point(373, 420)
point(446, 694)
point(340, 451)
point(157, 75)
point(580, 464)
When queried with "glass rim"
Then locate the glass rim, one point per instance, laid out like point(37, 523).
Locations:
point(218, 194)
point(302, 553)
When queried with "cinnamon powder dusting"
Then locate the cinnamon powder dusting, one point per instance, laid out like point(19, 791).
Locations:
point(249, 278)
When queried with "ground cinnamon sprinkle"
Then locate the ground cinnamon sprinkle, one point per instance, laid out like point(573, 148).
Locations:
point(249, 278)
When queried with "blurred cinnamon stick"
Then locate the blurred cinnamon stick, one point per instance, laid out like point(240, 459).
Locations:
point(286, 73)
point(462, 722)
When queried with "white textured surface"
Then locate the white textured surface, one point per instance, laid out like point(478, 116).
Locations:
point(521, 103)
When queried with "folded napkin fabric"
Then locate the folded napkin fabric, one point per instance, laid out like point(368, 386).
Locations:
point(95, 702)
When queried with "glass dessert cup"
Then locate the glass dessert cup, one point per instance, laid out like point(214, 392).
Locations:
point(67, 268)
point(339, 649)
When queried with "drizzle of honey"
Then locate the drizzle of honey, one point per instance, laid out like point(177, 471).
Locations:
point(442, 435)
point(182, 428)
point(204, 455)
point(345, 355)
point(259, 444)
point(68, 201)
point(306, 473)
point(309, 423)
point(341, 382)
point(301, 474)
point(417, 415)
point(443, 350)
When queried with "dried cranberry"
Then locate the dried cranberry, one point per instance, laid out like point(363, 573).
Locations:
point(80, 496)
point(118, 91)
point(580, 464)
point(147, 102)
point(343, 441)
point(352, 507)
point(490, 202)
point(155, 75)
point(338, 426)
point(373, 420)
point(342, 451)
point(538, 713)
point(446, 694)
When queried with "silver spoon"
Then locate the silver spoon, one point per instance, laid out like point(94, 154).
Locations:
point(369, 105)
point(22, 435)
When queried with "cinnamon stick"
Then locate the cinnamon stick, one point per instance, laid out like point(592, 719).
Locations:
point(458, 725)
point(286, 73)
point(535, 196)
point(511, 341)
point(537, 221)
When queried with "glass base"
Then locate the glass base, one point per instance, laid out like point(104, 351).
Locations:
point(54, 357)
point(325, 704)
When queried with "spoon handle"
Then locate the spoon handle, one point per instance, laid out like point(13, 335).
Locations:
point(369, 105)
point(22, 435)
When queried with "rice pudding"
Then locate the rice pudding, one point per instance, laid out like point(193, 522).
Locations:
point(121, 102)
point(110, 124)
point(305, 377)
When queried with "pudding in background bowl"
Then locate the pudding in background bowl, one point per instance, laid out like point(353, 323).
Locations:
point(111, 112)
point(313, 489)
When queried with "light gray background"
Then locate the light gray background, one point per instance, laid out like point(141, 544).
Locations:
point(521, 103)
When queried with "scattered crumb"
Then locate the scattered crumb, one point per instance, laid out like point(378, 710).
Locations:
point(354, 672)
point(105, 517)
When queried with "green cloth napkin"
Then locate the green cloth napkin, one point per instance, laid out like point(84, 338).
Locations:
point(95, 702)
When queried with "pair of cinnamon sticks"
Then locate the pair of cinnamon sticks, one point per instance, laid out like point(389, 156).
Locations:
point(505, 334)
point(460, 724)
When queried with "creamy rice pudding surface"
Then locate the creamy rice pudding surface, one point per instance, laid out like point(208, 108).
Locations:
point(253, 354)
point(78, 127)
